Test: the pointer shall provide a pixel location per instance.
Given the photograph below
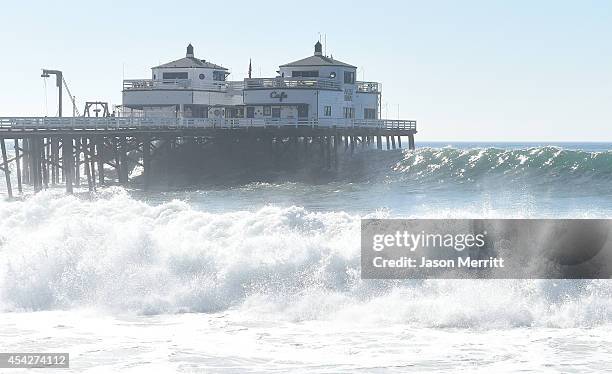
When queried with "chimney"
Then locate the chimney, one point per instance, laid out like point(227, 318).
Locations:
point(189, 50)
point(318, 49)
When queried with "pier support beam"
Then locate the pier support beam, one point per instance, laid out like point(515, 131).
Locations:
point(44, 157)
point(411, 142)
point(91, 153)
point(125, 172)
point(77, 162)
point(328, 151)
point(18, 164)
point(379, 142)
point(87, 163)
point(35, 175)
point(100, 153)
point(7, 171)
point(146, 161)
point(68, 161)
point(54, 160)
point(336, 144)
point(399, 141)
point(393, 142)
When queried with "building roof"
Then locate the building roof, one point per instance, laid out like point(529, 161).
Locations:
point(190, 62)
point(318, 60)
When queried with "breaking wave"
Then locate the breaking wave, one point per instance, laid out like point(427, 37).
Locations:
point(116, 253)
point(538, 165)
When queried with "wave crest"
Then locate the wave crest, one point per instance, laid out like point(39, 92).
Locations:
point(538, 165)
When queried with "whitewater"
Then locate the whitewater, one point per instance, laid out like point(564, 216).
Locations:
point(265, 277)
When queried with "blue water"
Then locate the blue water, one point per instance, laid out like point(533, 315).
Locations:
point(451, 179)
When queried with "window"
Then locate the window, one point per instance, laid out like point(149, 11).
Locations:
point(369, 113)
point(302, 110)
point(234, 112)
point(219, 75)
point(349, 77)
point(327, 111)
point(202, 76)
point(267, 110)
point(305, 74)
point(276, 112)
point(349, 112)
point(250, 112)
point(348, 95)
point(175, 75)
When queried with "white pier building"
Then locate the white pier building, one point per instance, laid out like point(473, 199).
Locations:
point(314, 90)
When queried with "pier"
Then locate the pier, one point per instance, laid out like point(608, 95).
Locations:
point(51, 151)
point(314, 110)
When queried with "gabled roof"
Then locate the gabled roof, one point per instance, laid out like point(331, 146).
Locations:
point(318, 60)
point(190, 62)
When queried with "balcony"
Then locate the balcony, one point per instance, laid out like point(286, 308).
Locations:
point(180, 84)
point(282, 83)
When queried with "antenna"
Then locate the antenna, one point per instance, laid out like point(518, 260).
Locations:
point(325, 45)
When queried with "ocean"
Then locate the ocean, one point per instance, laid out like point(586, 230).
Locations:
point(265, 276)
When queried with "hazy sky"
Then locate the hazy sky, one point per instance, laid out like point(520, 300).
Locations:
point(465, 70)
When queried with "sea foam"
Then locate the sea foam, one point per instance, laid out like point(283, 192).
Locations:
point(119, 254)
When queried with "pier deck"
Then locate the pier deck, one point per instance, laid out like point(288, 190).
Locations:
point(53, 150)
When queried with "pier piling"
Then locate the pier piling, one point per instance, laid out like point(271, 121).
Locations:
point(18, 167)
point(6, 168)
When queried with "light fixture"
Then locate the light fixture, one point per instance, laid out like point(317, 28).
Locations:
point(332, 75)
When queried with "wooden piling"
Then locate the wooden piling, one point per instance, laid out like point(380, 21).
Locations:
point(18, 164)
point(393, 142)
point(328, 151)
point(44, 153)
point(68, 162)
point(125, 171)
point(54, 161)
point(100, 156)
point(26, 161)
point(399, 142)
point(86, 162)
point(35, 170)
point(336, 144)
point(77, 162)
point(7, 171)
point(91, 153)
point(146, 161)
point(411, 141)
point(115, 145)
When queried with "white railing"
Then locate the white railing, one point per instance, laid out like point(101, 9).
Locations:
point(180, 84)
point(253, 84)
point(279, 82)
point(8, 124)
